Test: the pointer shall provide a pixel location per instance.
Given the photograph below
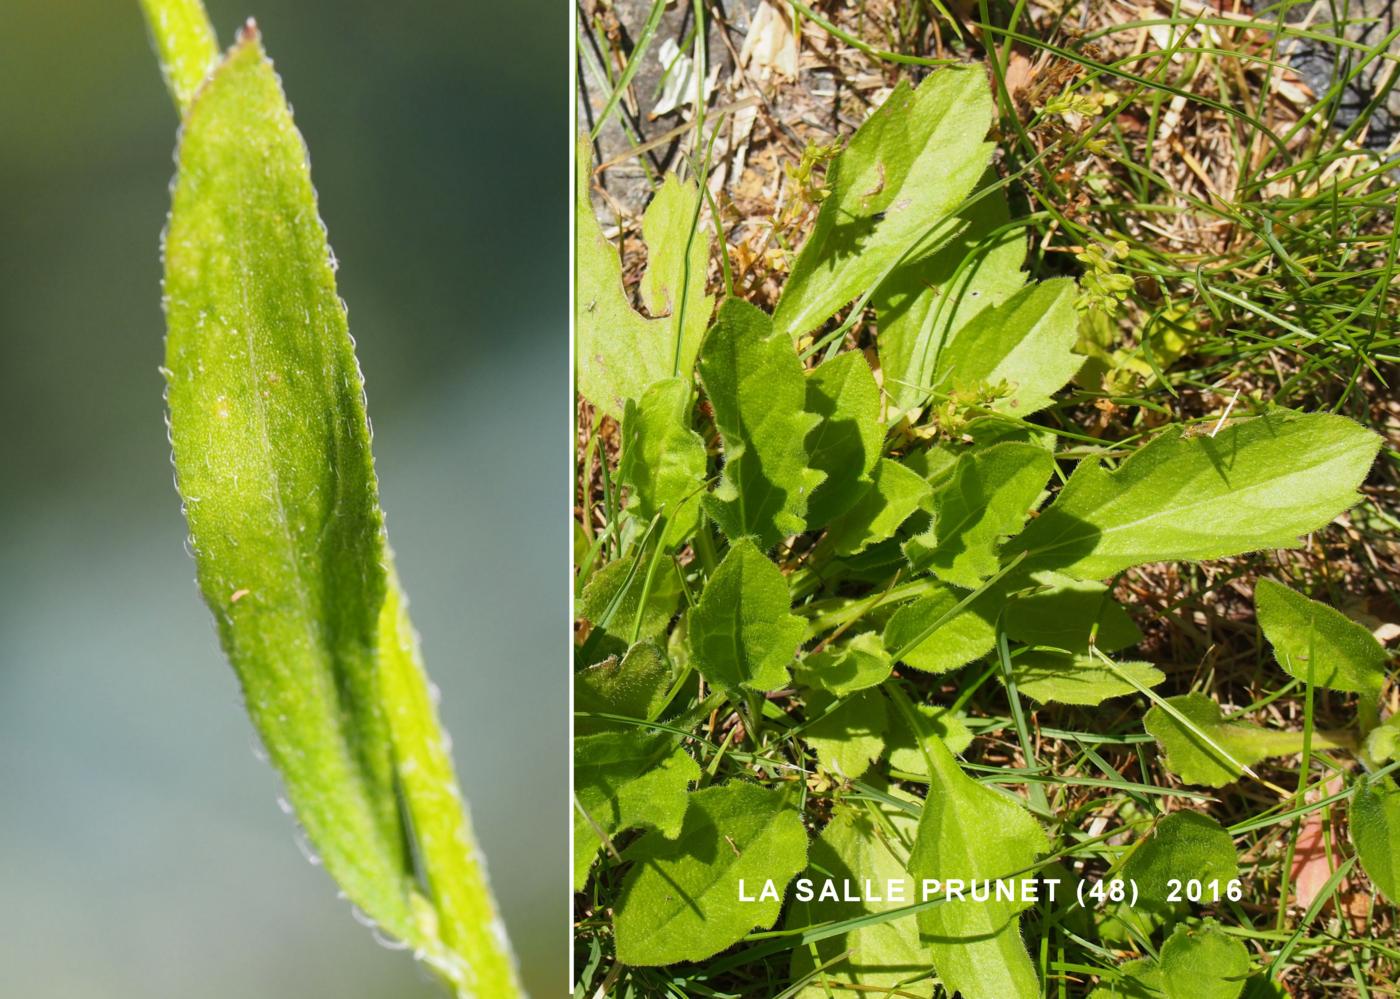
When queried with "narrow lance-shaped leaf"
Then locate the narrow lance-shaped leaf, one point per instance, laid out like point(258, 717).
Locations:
point(741, 632)
point(910, 166)
point(620, 351)
point(271, 450)
point(1076, 678)
point(1315, 642)
point(678, 252)
point(680, 901)
point(1259, 483)
point(758, 391)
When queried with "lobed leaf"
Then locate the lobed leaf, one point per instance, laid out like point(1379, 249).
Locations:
point(1069, 615)
point(634, 685)
point(626, 779)
point(1200, 963)
point(680, 901)
point(1203, 963)
point(894, 495)
point(612, 599)
point(621, 352)
point(858, 665)
point(968, 635)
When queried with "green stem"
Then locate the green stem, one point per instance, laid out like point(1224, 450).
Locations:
point(465, 942)
point(185, 44)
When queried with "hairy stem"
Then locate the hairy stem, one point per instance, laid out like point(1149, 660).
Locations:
point(185, 44)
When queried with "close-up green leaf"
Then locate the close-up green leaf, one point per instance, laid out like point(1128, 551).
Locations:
point(1258, 483)
point(1375, 829)
point(1318, 644)
point(741, 634)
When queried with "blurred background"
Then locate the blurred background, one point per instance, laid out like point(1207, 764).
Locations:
point(142, 853)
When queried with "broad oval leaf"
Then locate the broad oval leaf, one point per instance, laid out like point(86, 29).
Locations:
point(1319, 643)
point(927, 635)
point(1026, 342)
point(758, 391)
point(1259, 483)
point(741, 631)
point(680, 901)
point(846, 444)
point(847, 734)
point(1182, 845)
point(1374, 817)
